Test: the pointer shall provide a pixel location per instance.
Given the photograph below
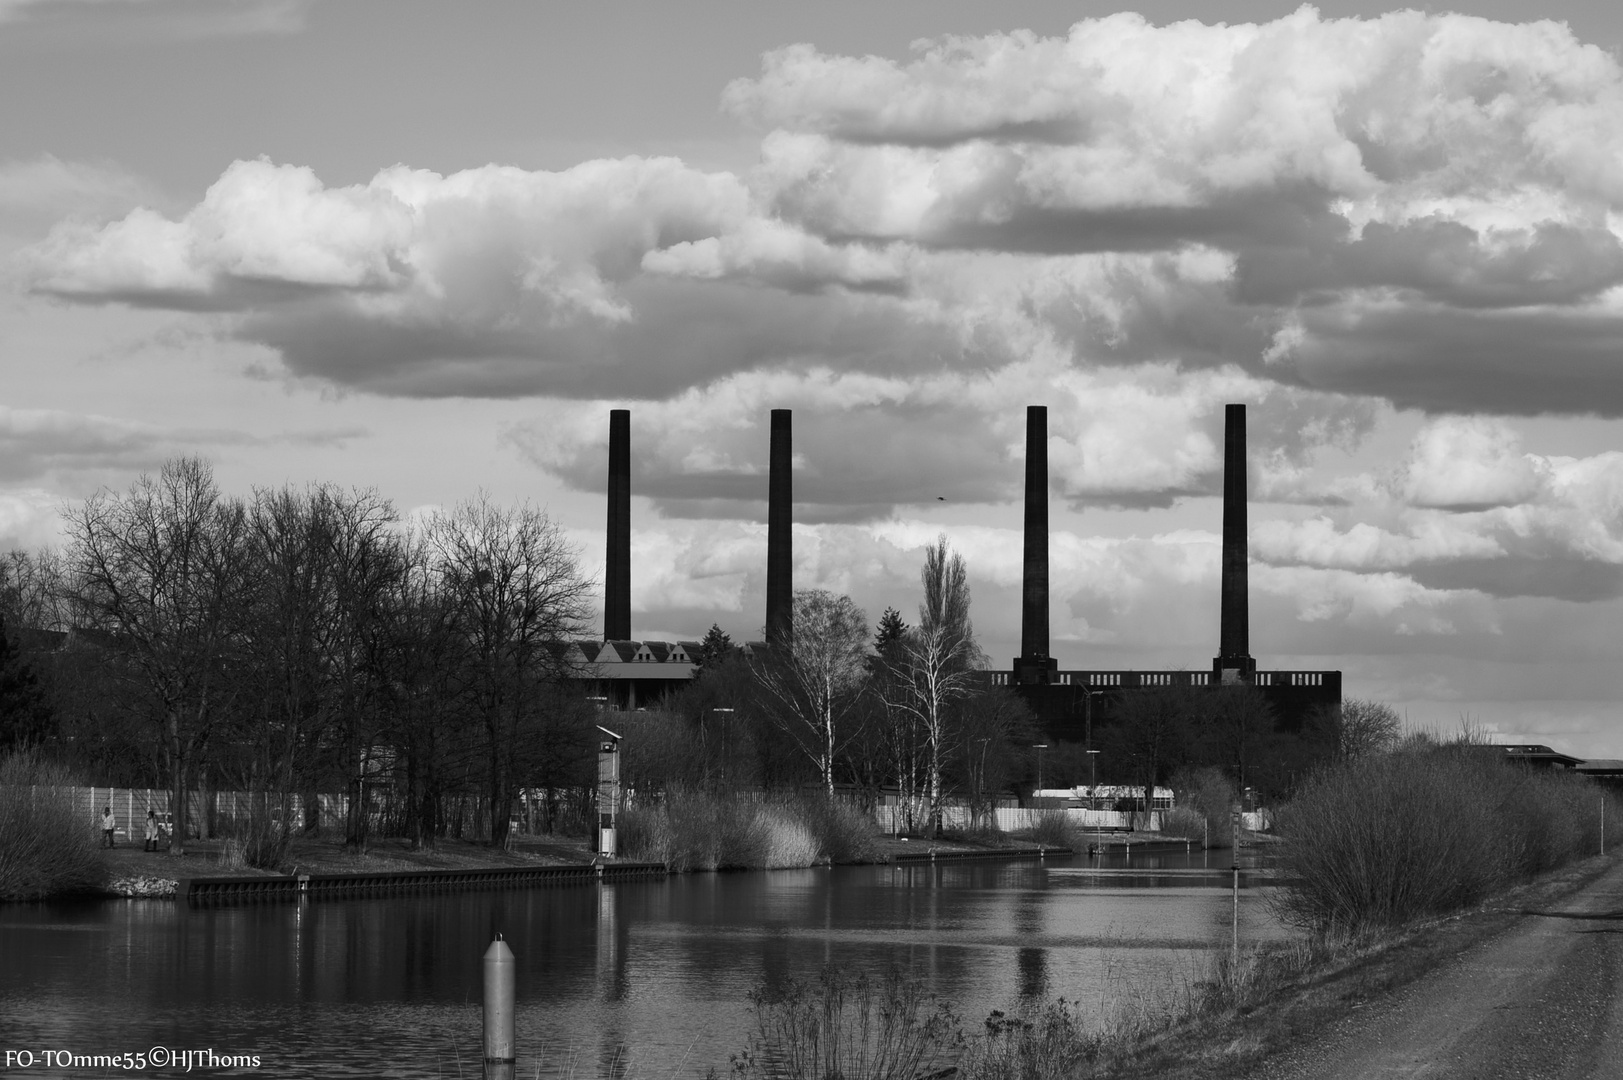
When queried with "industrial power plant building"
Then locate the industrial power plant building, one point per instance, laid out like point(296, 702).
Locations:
point(629, 674)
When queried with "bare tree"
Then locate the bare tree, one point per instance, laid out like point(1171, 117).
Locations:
point(160, 570)
point(815, 678)
point(1358, 728)
point(934, 663)
point(516, 590)
point(321, 566)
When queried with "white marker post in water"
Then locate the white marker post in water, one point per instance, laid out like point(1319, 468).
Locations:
point(499, 1019)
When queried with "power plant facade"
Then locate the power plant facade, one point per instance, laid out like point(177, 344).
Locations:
point(1068, 703)
point(627, 673)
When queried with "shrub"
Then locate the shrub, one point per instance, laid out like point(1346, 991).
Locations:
point(844, 834)
point(1378, 841)
point(1050, 1043)
point(46, 848)
point(1211, 796)
point(1053, 828)
point(1185, 822)
point(847, 1027)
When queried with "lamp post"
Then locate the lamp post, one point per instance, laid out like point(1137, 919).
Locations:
point(726, 748)
point(1093, 792)
point(1087, 715)
point(1040, 747)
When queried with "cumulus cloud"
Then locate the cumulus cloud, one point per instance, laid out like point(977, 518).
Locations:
point(1416, 207)
point(1470, 510)
point(1412, 207)
point(1129, 223)
point(866, 445)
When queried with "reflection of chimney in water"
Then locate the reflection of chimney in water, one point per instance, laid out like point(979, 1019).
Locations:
point(1034, 664)
point(1234, 662)
point(780, 590)
point(617, 565)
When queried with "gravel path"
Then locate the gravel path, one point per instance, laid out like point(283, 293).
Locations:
point(1540, 1000)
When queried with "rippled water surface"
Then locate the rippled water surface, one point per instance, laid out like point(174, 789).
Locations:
point(641, 979)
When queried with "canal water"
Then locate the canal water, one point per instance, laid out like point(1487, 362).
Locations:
point(625, 980)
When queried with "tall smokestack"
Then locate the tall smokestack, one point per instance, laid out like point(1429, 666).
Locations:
point(780, 596)
point(1034, 664)
point(1234, 662)
point(617, 565)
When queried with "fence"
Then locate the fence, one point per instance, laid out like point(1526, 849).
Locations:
point(895, 818)
point(207, 813)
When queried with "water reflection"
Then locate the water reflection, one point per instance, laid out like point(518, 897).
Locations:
point(608, 975)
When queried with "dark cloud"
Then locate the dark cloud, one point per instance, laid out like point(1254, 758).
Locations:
point(1516, 363)
point(1441, 261)
point(1554, 575)
point(683, 334)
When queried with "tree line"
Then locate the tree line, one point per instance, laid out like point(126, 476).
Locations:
point(301, 641)
point(305, 640)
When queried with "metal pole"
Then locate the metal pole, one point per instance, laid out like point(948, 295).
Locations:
point(1236, 915)
point(1603, 824)
point(499, 1019)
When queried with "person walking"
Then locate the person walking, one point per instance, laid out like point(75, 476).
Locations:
point(152, 832)
point(109, 825)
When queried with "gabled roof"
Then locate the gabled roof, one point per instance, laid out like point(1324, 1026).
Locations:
point(617, 651)
point(1535, 754)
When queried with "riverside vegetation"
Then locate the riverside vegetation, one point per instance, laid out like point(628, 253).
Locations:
point(46, 846)
point(1381, 850)
point(690, 830)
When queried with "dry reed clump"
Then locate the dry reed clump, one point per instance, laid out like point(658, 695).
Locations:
point(1379, 841)
point(849, 1027)
point(46, 848)
point(696, 831)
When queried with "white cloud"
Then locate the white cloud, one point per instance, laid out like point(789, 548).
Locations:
point(1471, 510)
point(1469, 463)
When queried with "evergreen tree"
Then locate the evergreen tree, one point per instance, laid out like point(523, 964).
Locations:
point(25, 714)
point(891, 630)
point(716, 647)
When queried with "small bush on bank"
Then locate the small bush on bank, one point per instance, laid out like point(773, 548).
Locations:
point(1378, 841)
point(1209, 795)
point(1049, 1044)
point(843, 832)
point(1053, 828)
point(1184, 823)
point(849, 1027)
point(46, 849)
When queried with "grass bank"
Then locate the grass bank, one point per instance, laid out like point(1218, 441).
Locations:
point(699, 831)
point(47, 849)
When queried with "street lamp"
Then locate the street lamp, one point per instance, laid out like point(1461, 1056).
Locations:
point(1040, 747)
point(1093, 792)
point(726, 716)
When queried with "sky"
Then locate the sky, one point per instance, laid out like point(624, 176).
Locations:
point(425, 248)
